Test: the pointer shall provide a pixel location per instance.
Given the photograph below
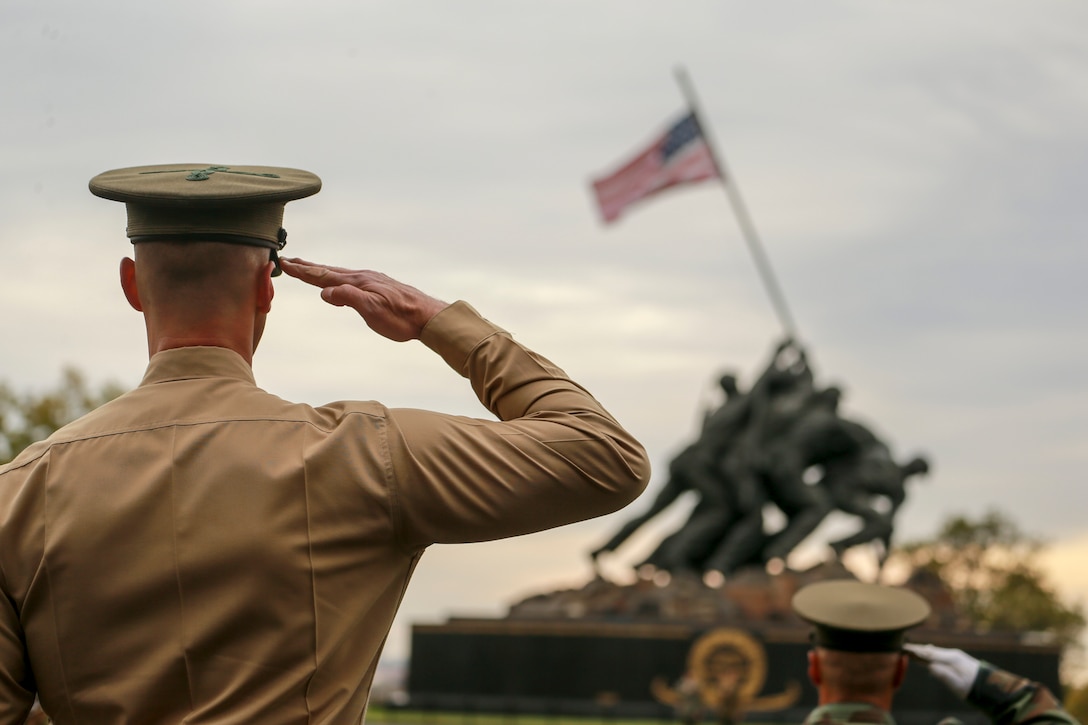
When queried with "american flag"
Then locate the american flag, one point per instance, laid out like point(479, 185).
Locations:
point(679, 156)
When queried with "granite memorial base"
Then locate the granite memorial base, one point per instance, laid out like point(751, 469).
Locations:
point(612, 650)
point(609, 669)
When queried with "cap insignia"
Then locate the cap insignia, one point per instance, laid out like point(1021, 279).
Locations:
point(203, 174)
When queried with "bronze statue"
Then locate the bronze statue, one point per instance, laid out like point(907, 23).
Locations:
point(695, 469)
point(781, 443)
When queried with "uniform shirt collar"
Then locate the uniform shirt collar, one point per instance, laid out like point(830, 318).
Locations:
point(855, 713)
point(186, 363)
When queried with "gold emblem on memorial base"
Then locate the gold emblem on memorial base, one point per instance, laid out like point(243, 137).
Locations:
point(727, 663)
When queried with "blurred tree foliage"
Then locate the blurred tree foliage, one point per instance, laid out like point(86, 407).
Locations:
point(29, 417)
point(991, 569)
point(1076, 702)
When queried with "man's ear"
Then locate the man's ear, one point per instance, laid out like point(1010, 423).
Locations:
point(265, 289)
point(900, 671)
point(814, 668)
point(128, 284)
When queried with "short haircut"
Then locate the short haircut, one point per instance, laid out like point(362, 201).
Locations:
point(860, 673)
point(200, 275)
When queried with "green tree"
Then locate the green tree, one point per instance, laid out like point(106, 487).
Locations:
point(29, 417)
point(1076, 702)
point(992, 572)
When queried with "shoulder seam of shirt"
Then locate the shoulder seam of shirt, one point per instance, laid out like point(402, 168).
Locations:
point(390, 479)
point(177, 424)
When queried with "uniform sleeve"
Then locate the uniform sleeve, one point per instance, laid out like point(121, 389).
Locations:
point(1009, 699)
point(553, 457)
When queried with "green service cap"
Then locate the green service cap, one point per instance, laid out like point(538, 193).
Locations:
point(854, 616)
point(204, 202)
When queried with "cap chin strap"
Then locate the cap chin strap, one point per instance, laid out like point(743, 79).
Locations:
point(273, 247)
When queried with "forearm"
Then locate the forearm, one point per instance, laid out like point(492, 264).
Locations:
point(514, 382)
point(555, 456)
point(1009, 699)
point(510, 380)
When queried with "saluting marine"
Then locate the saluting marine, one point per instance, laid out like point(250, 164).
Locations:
point(199, 550)
point(859, 660)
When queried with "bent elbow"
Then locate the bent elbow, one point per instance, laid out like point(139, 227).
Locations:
point(636, 473)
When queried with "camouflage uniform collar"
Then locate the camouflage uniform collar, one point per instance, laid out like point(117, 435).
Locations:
point(849, 712)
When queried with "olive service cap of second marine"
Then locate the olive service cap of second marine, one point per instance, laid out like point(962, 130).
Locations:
point(853, 616)
point(204, 202)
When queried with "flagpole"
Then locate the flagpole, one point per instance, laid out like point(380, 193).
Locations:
point(748, 229)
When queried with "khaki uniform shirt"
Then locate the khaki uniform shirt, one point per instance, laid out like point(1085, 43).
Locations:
point(200, 550)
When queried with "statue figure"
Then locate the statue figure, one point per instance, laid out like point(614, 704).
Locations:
point(694, 469)
point(760, 448)
point(730, 497)
point(855, 483)
point(783, 392)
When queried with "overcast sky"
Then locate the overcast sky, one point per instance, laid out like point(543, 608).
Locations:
point(917, 172)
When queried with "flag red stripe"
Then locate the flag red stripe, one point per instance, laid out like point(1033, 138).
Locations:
point(646, 174)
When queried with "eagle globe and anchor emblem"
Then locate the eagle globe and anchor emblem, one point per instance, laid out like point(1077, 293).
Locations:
point(726, 663)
